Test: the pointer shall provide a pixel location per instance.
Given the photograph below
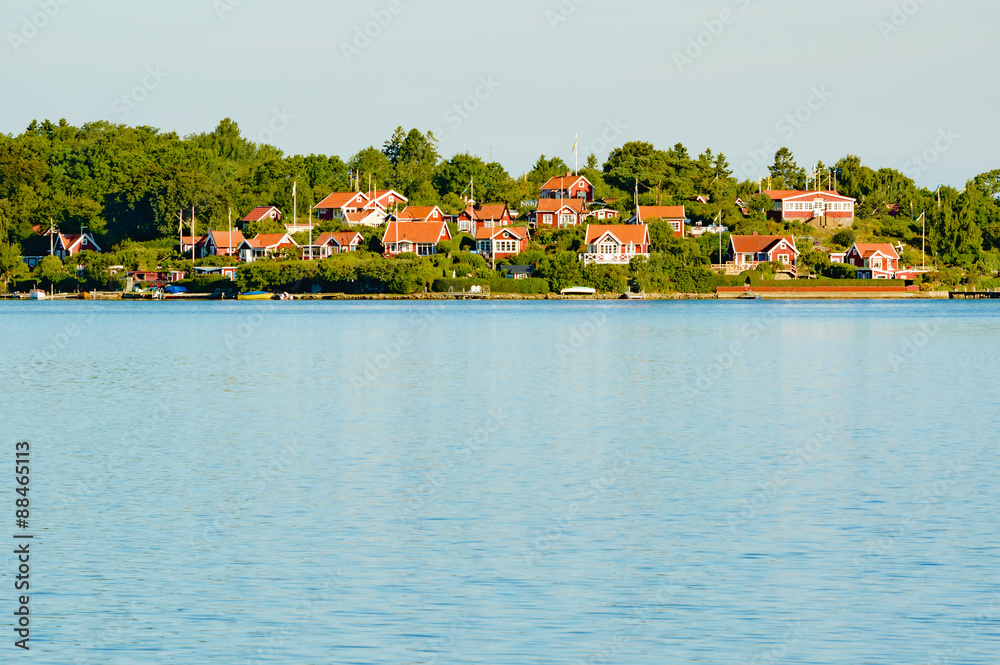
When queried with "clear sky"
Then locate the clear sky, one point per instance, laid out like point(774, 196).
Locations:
point(888, 80)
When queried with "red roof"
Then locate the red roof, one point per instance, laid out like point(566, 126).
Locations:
point(342, 200)
point(341, 238)
point(269, 240)
point(226, 240)
point(661, 212)
point(419, 212)
point(755, 243)
point(417, 232)
point(490, 212)
point(635, 234)
point(518, 232)
point(358, 217)
point(563, 182)
point(555, 205)
point(262, 213)
point(870, 249)
point(186, 240)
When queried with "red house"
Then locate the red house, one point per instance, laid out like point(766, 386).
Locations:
point(420, 214)
point(260, 214)
point(71, 244)
point(487, 216)
point(329, 244)
point(264, 244)
point(822, 208)
point(197, 241)
point(222, 243)
point(501, 242)
point(559, 213)
point(605, 214)
point(420, 238)
point(615, 244)
point(873, 260)
point(386, 199)
point(747, 252)
point(675, 215)
point(339, 204)
point(568, 186)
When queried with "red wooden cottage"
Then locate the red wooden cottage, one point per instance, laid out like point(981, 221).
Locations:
point(747, 252)
point(71, 244)
point(261, 214)
point(873, 260)
point(830, 209)
point(329, 244)
point(264, 244)
point(487, 216)
point(501, 242)
point(674, 215)
point(420, 238)
point(339, 204)
point(559, 213)
point(615, 244)
point(223, 243)
point(568, 186)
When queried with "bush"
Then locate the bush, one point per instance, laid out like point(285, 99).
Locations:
point(208, 284)
point(837, 270)
point(844, 238)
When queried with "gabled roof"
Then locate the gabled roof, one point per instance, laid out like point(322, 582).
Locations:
point(198, 240)
point(513, 232)
point(564, 182)
point(489, 212)
point(342, 200)
point(269, 240)
point(225, 239)
point(383, 193)
point(359, 217)
point(418, 212)
point(258, 214)
point(867, 250)
point(340, 238)
point(555, 205)
point(416, 232)
point(786, 194)
point(661, 212)
point(624, 234)
point(755, 243)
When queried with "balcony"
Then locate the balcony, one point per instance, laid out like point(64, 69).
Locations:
point(609, 259)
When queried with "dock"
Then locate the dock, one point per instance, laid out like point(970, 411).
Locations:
point(974, 295)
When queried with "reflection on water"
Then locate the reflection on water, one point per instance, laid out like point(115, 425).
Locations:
point(541, 482)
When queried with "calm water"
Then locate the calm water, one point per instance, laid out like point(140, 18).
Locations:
point(507, 483)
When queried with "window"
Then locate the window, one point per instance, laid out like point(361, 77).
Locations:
point(608, 248)
point(565, 220)
point(547, 219)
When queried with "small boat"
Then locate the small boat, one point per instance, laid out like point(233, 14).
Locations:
point(37, 294)
point(255, 295)
point(747, 296)
point(628, 295)
point(579, 291)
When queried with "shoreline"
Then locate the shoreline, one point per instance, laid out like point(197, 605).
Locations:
point(649, 297)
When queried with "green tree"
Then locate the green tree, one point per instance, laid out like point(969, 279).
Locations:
point(11, 264)
point(785, 173)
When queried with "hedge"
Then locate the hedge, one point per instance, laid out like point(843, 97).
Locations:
point(530, 286)
point(823, 281)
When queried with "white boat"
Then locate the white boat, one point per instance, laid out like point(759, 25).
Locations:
point(37, 294)
point(579, 291)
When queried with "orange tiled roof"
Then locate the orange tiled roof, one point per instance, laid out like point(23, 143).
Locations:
point(418, 232)
point(661, 212)
point(625, 233)
point(754, 244)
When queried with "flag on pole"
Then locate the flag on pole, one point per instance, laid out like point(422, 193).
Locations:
point(294, 187)
point(576, 141)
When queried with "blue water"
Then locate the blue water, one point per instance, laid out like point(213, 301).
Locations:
point(509, 483)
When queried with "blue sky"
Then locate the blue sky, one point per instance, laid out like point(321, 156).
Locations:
point(888, 80)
